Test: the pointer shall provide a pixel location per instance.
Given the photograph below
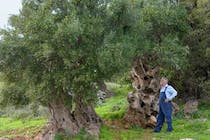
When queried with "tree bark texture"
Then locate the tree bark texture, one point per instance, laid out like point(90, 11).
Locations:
point(143, 102)
point(65, 121)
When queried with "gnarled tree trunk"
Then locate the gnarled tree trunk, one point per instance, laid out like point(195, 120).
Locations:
point(64, 121)
point(143, 103)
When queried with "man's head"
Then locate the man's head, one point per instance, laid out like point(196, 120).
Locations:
point(163, 81)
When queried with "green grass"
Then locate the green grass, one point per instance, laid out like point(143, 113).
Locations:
point(115, 107)
point(196, 127)
point(108, 133)
point(82, 135)
point(11, 127)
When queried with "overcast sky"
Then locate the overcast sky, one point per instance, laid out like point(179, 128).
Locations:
point(7, 8)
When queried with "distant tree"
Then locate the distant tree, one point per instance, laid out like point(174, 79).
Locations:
point(198, 40)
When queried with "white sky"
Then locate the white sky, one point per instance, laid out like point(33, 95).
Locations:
point(8, 8)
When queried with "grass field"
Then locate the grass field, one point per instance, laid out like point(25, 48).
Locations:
point(196, 127)
point(12, 127)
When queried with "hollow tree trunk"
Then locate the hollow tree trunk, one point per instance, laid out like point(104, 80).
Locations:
point(143, 103)
point(64, 121)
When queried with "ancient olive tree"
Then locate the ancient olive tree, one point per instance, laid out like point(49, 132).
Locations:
point(153, 31)
point(54, 53)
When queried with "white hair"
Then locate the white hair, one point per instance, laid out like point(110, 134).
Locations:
point(164, 78)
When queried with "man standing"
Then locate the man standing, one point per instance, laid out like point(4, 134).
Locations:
point(167, 93)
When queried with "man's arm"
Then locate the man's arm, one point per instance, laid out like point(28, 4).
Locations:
point(170, 93)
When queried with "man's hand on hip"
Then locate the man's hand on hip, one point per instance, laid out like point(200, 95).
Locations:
point(167, 100)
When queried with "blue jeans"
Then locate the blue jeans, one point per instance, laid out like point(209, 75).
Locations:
point(165, 113)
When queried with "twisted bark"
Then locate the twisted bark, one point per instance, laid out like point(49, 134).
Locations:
point(68, 122)
point(143, 103)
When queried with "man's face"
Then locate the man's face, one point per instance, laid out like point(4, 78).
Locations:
point(163, 82)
